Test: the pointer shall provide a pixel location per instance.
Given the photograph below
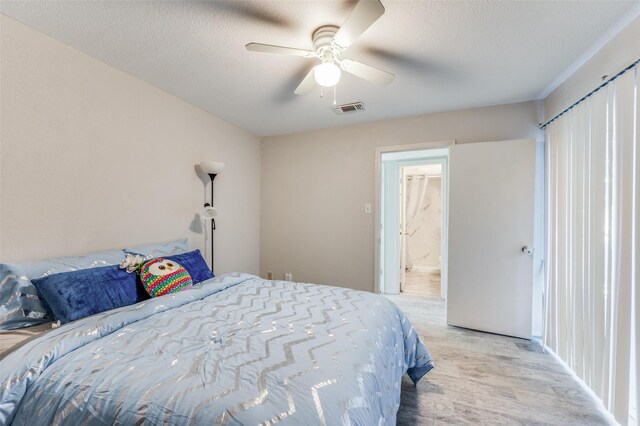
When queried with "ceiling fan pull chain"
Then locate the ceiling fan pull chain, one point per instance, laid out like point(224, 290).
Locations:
point(334, 94)
point(321, 94)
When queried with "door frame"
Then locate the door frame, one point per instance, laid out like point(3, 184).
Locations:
point(378, 226)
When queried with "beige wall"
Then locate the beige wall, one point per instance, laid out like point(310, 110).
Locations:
point(92, 158)
point(315, 185)
point(618, 53)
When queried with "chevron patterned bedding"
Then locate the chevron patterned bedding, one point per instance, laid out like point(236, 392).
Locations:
point(235, 350)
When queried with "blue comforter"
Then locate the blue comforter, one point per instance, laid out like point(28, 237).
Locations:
point(234, 350)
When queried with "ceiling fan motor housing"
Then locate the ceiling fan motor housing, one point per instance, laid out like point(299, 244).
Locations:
point(329, 41)
point(322, 43)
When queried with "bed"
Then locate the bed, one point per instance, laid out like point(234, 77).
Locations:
point(234, 349)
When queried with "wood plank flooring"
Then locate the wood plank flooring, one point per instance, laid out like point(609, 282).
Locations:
point(486, 379)
point(425, 284)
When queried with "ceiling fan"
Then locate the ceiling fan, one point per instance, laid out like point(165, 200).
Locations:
point(328, 44)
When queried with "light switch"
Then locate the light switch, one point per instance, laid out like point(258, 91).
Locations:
point(367, 207)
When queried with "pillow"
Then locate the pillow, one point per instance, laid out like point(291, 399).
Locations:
point(195, 265)
point(20, 304)
point(160, 249)
point(162, 276)
point(78, 294)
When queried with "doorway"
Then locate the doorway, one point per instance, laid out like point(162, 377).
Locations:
point(394, 251)
point(496, 224)
point(421, 230)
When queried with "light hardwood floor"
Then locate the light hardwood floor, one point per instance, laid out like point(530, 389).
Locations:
point(426, 284)
point(486, 379)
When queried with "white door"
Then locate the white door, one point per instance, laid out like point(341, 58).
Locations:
point(491, 205)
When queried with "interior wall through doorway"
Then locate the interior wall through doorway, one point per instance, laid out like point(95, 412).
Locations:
point(422, 229)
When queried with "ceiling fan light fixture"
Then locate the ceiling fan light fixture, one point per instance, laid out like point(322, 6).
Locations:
point(329, 42)
point(327, 74)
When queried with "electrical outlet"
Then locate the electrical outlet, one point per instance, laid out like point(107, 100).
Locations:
point(269, 275)
point(288, 276)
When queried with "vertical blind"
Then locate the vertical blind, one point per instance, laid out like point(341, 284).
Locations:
point(592, 309)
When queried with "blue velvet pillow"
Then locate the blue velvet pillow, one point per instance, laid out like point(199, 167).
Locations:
point(78, 294)
point(195, 265)
point(20, 305)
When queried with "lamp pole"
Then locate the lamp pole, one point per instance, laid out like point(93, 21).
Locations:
point(213, 220)
point(212, 168)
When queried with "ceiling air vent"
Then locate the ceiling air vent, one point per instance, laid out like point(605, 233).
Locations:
point(346, 108)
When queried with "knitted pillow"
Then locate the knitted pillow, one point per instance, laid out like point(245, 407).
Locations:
point(162, 276)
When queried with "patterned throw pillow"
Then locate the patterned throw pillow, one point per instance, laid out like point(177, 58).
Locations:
point(162, 276)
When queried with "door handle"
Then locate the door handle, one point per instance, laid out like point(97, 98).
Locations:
point(527, 250)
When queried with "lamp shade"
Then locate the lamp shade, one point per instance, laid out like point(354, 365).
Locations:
point(327, 74)
point(212, 167)
point(209, 212)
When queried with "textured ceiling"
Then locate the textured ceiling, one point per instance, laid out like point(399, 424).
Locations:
point(446, 54)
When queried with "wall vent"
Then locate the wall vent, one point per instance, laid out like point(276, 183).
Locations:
point(347, 108)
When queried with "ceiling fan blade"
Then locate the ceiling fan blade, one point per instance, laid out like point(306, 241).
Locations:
point(367, 72)
point(363, 15)
point(308, 83)
point(269, 48)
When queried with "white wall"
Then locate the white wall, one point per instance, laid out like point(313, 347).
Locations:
point(619, 52)
point(424, 229)
point(92, 158)
point(315, 185)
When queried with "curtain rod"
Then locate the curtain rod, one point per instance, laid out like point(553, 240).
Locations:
point(624, 70)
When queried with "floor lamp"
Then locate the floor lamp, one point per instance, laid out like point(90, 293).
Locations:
point(212, 168)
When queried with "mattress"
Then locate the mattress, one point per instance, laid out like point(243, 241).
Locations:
point(235, 350)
